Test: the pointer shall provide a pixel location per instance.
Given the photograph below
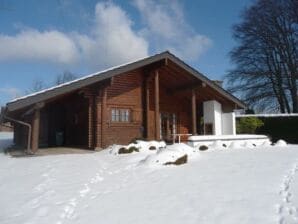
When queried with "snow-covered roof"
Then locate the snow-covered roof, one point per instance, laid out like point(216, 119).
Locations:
point(76, 84)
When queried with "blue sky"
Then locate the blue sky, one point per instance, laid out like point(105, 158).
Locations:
point(41, 39)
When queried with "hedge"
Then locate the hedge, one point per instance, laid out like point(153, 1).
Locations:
point(276, 128)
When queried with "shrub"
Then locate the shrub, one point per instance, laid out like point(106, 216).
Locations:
point(134, 140)
point(248, 125)
point(152, 148)
point(203, 147)
point(133, 148)
point(129, 150)
point(280, 128)
point(123, 150)
point(179, 161)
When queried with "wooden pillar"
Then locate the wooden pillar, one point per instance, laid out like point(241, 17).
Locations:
point(35, 130)
point(91, 119)
point(157, 113)
point(147, 109)
point(97, 121)
point(103, 115)
point(194, 112)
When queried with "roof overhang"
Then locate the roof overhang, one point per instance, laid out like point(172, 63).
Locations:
point(74, 85)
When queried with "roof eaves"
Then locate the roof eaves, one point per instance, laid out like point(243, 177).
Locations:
point(205, 79)
point(81, 82)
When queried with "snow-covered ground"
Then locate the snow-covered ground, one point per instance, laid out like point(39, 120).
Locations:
point(248, 185)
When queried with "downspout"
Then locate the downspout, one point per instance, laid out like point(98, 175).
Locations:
point(29, 131)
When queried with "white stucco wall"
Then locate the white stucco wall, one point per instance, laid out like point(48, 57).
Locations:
point(212, 114)
point(228, 124)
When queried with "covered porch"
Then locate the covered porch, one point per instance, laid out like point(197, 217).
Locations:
point(178, 105)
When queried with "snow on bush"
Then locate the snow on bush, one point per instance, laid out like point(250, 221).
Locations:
point(175, 154)
point(249, 144)
point(280, 143)
point(216, 145)
point(235, 145)
point(138, 146)
point(149, 145)
point(266, 143)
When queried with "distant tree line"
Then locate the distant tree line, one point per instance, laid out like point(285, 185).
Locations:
point(266, 58)
point(39, 85)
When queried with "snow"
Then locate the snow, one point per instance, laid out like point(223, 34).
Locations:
point(225, 137)
point(170, 154)
point(231, 185)
point(280, 143)
point(215, 140)
point(267, 115)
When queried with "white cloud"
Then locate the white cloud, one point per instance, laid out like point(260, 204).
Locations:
point(166, 28)
point(113, 41)
point(52, 46)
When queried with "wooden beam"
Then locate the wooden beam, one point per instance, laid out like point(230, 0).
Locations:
point(194, 112)
point(91, 123)
point(194, 86)
point(103, 115)
point(147, 108)
point(97, 120)
point(157, 114)
point(35, 130)
point(155, 66)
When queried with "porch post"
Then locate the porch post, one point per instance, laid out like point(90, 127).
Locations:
point(157, 114)
point(97, 121)
point(35, 130)
point(194, 112)
point(103, 115)
point(147, 108)
point(91, 116)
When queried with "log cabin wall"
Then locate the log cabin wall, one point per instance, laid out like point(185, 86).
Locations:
point(124, 93)
point(127, 92)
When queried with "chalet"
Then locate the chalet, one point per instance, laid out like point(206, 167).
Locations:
point(157, 97)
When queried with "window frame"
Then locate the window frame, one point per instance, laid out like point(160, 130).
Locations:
point(120, 115)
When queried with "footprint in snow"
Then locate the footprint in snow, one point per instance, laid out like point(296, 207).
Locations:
point(286, 211)
point(84, 191)
point(96, 179)
point(69, 209)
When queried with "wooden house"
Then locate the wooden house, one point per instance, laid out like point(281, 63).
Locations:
point(152, 98)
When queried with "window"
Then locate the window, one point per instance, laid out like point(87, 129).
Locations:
point(120, 115)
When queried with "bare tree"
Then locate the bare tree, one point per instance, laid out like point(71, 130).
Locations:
point(66, 76)
point(37, 86)
point(266, 58)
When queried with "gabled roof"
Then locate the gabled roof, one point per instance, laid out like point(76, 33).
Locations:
point(67, 87)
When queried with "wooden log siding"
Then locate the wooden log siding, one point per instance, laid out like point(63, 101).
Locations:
point(194, 112)
point(147, 86)
point(103, 116)
point(125, 93)
point(35, 130)
point(156, 109)
point(91, 121)
point(98, 103)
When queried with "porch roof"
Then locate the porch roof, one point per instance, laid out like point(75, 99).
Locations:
point(71, 86)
